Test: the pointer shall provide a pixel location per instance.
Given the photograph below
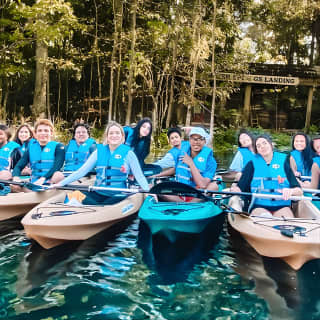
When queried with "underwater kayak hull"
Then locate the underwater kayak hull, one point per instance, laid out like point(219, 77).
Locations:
point(52, 222)
point(295, 240)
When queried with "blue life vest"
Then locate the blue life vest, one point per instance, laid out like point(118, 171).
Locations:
point(183, 172)
point(247, 155)
point(109, 164)
point(41, 158)
point(297, 156)
point(77, 155)
point(5, 154)
point(269, 178)
point(176, 152)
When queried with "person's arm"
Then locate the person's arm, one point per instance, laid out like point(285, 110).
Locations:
point(315, 173)
point(237, 162)
point(22, 163)
point(59, 156)
point(132, 163)
point(295, 189)
point(82, 171)
point(245, 181)
point(166, 162)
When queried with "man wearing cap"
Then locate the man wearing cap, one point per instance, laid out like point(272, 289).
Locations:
point(196, 164)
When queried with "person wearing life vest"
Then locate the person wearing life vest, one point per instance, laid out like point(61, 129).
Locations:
point(79, 148)
point(139, 140)
point(9, 153)
point(22, 136)
point(269, 172)
point(244, 154)
point(46, 157)
point(301, 156)
point(113, 162)
point(196, 165)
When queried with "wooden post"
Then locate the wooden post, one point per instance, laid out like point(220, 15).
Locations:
point(309, 108)
point(246, 107)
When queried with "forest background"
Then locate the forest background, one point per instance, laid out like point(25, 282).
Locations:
point(99, 60)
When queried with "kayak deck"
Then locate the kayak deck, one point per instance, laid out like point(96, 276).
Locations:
point(52, 222)
point(295, 240)
point(175, 218)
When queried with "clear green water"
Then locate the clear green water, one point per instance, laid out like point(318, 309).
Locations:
point(124, 273)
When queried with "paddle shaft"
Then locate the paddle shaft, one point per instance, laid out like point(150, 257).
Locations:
point(16, 183)
point(260, 195)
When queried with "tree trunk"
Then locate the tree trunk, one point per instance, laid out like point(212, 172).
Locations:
point(117, 12)
point(196, 43)
point(174, 44)
point(213, 69)
point(40, 89)
point(132, 61)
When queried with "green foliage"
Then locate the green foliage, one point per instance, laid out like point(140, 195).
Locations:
point(97, 134)
point(282, 141)
point(313, 129)
point(224, 139)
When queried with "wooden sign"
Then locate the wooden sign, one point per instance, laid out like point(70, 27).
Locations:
point(254, 78)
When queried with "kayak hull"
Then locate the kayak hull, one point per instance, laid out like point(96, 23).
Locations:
point(175, 219)
point(52, 222)
point(295, 240)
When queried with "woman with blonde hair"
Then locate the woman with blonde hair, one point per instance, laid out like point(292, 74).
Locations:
point(113, 162)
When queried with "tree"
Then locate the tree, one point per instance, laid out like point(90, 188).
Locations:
point(48, 22)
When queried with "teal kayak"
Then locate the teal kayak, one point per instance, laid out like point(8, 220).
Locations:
point(174, 219)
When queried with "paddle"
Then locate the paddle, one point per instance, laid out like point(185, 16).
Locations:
point(16, 183)
point(311, 190)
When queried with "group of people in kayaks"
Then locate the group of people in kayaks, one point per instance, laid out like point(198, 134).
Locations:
point(256, 167)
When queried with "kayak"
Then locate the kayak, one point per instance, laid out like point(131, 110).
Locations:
point(176, 219)
point(54, 222)
point(295, 240)
point(18, 204)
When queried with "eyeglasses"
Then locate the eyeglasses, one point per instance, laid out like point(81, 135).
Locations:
point(197, 139)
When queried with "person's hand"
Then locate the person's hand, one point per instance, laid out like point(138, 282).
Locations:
point(305, 184)
point(16, 179)
point(26, 171)
point(235, 188)
point(40, 181)
point(187, 159)
point(286, 193)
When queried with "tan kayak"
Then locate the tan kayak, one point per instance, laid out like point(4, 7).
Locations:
point(295, 240)
point(18, 204)
point(52, 222)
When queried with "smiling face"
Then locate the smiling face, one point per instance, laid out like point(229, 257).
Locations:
point(175, 139)
point(264, 148)
point(299, 142)
point(196, 142)
point(114, 136)
point(316, 146)
point(245, 140)
point(24, 134)
point(43, 134)
point(145, 129)
point(81, 135)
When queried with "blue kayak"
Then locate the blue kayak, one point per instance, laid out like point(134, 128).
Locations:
point(174, 219)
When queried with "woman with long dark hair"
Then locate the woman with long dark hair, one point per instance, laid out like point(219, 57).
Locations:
point(301, 155)
point(139, 140)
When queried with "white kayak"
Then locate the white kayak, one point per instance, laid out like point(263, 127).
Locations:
point(53, 222)
point(295, 240)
